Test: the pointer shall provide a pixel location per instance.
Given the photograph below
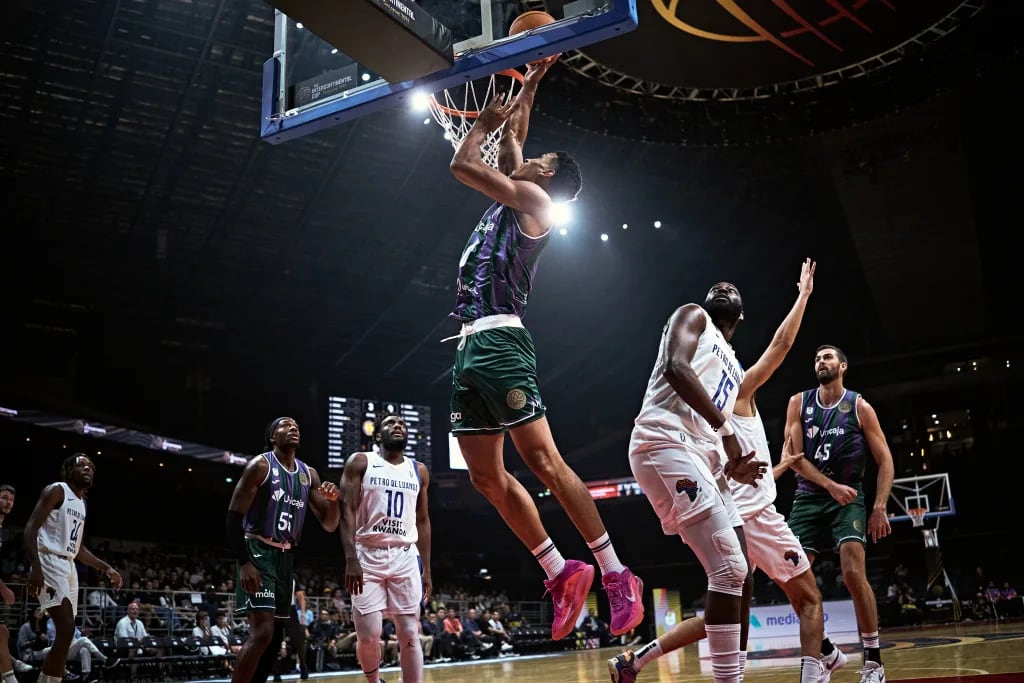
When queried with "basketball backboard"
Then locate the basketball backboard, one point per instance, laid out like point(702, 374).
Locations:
point(930, 492)
point(309, 84)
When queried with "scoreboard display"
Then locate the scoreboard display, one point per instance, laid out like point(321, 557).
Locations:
point(351, 423)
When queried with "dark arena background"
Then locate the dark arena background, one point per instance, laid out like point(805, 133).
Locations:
point(172, 282)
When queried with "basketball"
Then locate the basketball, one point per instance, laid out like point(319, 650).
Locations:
point(528, 20)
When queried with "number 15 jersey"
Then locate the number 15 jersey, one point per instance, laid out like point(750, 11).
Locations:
point(387, 505)
point(719, 372)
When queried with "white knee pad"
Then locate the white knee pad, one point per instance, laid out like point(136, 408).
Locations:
point(714, 542)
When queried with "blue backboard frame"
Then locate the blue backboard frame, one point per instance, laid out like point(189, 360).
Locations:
point(277, 126)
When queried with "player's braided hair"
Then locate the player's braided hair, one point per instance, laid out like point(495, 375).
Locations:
point(68, 466)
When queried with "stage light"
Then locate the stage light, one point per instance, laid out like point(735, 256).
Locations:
point(604, 237)
point(561, 214)
point(420, 101)
point(657, 224)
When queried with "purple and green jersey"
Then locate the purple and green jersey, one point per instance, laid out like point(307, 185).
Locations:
point(497, 267)
point(833, 440)
point(279, 509)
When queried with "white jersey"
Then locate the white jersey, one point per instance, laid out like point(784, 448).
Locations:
point(751, 436)
point(716, 367)
point(387, 507)
point(61, 533)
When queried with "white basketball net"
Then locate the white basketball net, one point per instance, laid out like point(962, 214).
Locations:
point(917, 516)
point(448, 106)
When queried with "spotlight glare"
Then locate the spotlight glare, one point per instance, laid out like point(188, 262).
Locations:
point(604, 237)
point(447, 135)
point(334, 51)
point(366, 77)
point(426, 122)
point(420, 101)
point(561, 214)
point(563, 231)
point(299, 25)
point(625, 226)
point(657, 224)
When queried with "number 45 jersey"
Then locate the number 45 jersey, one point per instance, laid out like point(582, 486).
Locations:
point(281, 502)
point(715, 364)
point(387, 506)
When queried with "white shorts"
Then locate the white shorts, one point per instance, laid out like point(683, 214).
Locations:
point(60, 580)
point(674, 473)
point(773, 548)
point(392, 582)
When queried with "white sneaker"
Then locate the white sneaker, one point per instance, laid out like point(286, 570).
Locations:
point(832, 663)
point(872, 672)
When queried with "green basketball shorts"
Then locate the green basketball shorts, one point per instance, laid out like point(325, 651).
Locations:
point(494, 383)
point(821, 524)
point(275, 567)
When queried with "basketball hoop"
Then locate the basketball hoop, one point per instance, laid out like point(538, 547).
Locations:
point(917, 516)
point(456, 108)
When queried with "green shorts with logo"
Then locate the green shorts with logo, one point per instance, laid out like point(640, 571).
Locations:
point(821, 524)
point(494, 384)
point(275, 567)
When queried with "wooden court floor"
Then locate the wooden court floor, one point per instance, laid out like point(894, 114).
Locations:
point(967, 653)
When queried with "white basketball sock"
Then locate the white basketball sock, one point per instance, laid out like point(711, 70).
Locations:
point(604, 553)
point(551, 561)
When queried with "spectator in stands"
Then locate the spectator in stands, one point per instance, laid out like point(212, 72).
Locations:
point(102, 602)
point(388, 643)
point(222, 632)
point(82, 649)
point(444, 640)
point(32, 638)
point(323, 639)
point(496, 630)
point(475, 638)
point(426, 642)
point(203, 630)
point(1008, 605)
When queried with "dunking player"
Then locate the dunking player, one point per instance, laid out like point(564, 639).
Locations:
point(838, 429)
point(494, 383)
point(770, 544)
point(53, 540)
point(385, 532)
point(681, 451)
point(264, 523)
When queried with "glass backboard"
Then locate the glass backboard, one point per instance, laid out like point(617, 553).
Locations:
point(309, 84)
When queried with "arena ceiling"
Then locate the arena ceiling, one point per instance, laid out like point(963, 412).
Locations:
point(166, 266)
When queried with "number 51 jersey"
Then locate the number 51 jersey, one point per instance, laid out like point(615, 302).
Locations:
point(387, 506)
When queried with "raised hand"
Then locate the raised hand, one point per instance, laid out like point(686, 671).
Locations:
point(806, 284)
point(497, 111)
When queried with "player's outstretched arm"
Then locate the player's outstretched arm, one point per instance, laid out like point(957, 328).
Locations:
point(510, 146)
point(51, 498)
point(784, 337)
point(323, 498)
point(423, 530)
point(469, 167)
point(351, 492)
